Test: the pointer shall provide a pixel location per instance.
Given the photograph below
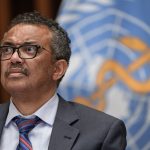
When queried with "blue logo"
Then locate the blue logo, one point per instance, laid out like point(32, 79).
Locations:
point(110, 64)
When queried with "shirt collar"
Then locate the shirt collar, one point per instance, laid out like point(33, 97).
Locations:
point(46, 113)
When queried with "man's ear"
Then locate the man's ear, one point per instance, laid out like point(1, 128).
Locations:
point(60, 68)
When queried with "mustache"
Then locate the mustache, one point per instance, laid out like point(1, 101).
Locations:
point(17, 66)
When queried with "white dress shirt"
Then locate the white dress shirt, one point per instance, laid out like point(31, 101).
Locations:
point(39, 135)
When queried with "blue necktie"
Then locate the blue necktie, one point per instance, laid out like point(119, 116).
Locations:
point(25, 126)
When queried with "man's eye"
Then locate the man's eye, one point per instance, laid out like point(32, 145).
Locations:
point(7, 50)
point(29, 49)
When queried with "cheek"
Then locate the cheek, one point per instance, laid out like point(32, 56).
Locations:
point(3, 69)
point(2, 66)
point(41, 72)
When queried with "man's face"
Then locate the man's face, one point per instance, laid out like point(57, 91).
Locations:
point(28, 74)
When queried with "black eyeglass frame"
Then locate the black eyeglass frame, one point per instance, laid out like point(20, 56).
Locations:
point(16, 49)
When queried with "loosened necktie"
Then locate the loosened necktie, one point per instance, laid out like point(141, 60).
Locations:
point(25, 126)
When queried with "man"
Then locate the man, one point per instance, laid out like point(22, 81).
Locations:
point(34, 55)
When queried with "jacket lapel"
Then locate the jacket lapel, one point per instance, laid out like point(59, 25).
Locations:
point(3, 115)
point(63, 133)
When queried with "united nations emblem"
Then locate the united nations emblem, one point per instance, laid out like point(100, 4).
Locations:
point(110, 65)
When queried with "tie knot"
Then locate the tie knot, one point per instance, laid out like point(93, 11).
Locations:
point(26, 125)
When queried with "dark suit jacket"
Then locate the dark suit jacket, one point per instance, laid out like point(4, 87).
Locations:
point(77, 127)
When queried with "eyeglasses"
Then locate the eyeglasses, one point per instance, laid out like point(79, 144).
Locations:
point(24, 51)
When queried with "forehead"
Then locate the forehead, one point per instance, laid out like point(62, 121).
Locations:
point(26, 32)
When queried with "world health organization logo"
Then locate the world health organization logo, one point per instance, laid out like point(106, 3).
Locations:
point(110, 66)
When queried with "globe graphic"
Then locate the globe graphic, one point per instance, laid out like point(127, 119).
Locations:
point(109, 69)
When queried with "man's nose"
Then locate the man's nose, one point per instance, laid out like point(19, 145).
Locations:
point(15, 58)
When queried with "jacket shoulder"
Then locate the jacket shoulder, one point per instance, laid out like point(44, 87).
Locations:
point(92, 114)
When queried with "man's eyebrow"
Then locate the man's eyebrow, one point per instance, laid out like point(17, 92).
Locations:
point(13, 44)
point(29, 42)
point(7, 43)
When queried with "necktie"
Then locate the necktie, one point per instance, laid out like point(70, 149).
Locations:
point(25, 126)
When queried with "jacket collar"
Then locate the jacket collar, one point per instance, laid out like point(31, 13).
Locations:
point(4, 108)
point(64, 133)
